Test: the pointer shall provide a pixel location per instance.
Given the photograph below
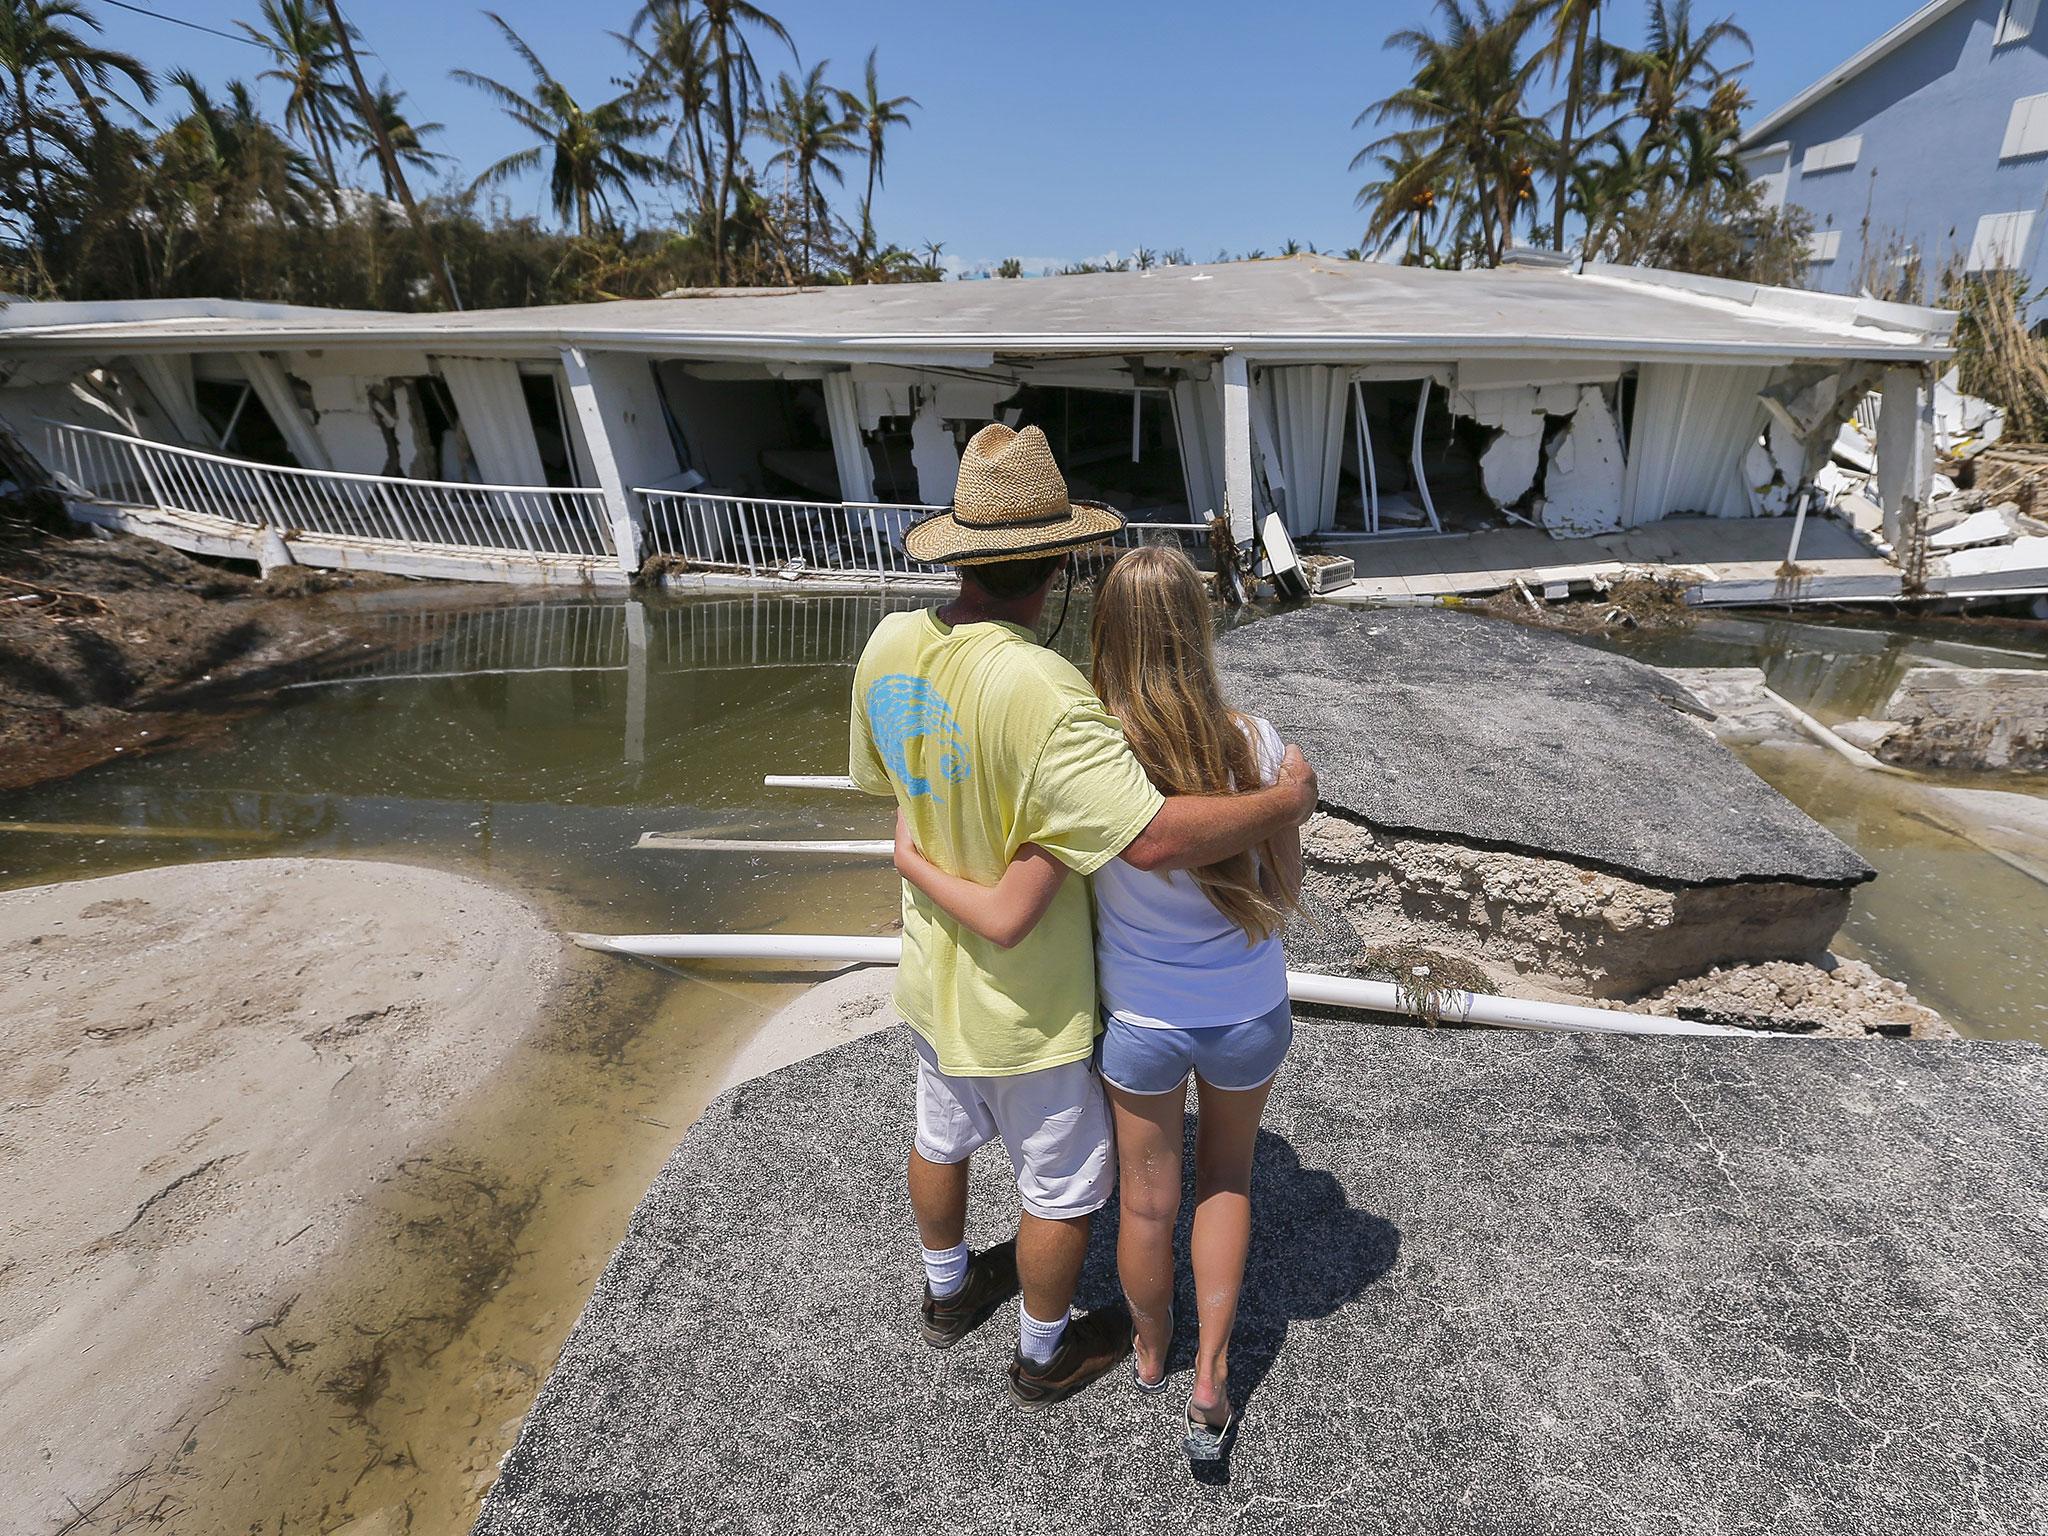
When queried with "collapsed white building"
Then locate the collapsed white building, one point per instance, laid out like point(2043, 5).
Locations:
point(755, 431)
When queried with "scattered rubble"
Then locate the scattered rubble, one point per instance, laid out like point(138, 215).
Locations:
point(1971, 718)
point(1834, 999)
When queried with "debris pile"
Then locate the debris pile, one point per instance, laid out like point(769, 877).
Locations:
point(1835, 999)
point(1975, 719)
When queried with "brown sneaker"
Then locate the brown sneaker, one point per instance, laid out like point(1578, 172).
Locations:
point(1091, 1346)
point(991, 1281)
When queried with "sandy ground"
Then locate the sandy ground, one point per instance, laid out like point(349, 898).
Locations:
point(206, 1072)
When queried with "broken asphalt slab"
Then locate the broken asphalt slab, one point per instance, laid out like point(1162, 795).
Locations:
point(1460, 726)
point(1499, 1283)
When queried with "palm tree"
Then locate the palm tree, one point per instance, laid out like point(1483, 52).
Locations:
point(307, 54)
point(1467, 123)
point(37, 42)
point(932, 250)
point(1572, 23)
point(226, 160)
point(871, 116)
point(675, 67)
point(724, 24)
point(807, 123)
point(1603, 189)
point(589, 151)
point(1009, 266)
point(1675, 68)
point(404, 135)
point(1404, 200)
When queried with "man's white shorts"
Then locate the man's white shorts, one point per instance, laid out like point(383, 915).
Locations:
point(1054, 1124)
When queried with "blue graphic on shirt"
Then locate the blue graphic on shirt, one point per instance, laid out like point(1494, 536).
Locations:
point(901, 709)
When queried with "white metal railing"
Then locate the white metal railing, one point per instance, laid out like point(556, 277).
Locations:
point(769, 536)
point(511, 519)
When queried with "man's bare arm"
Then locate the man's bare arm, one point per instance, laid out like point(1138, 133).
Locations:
point(1193, 830)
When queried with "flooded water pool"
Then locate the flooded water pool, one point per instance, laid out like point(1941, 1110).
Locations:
point(534, 742)
point(1967, 933)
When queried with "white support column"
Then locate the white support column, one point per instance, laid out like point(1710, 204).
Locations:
point(1905, 453)
point(604, 459)
point(849, 451)
point(1236, 384)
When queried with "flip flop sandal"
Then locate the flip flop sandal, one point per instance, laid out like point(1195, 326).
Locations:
point(1207, 1442)
point(1150, 1387)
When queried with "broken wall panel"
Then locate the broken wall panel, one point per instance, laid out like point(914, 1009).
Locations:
point(1693, 425)
point(1584, 474)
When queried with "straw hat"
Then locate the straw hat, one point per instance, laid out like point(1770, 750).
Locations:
point(1010, 503)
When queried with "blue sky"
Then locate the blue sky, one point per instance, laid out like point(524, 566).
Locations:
point(1053, 131)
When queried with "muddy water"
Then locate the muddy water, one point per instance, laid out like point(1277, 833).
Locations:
point(1965, 931)
point(533, 743)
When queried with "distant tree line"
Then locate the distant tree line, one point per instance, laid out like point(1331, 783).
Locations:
point(697, 170)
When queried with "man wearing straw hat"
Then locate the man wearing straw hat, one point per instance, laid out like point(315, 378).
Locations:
point(988, 740)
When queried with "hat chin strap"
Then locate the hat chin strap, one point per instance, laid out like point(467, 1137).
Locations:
point(1066, 595)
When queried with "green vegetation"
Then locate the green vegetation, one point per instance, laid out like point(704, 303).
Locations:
point(110, 196)
point(1642, 147)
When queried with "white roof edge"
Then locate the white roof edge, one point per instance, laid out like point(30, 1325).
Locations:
point(1851, 67)
point(1851, 312)
point(917, 348)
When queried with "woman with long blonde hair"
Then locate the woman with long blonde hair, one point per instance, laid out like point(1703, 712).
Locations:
point(1189, 966)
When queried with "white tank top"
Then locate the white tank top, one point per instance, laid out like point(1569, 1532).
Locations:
point(1165, 958)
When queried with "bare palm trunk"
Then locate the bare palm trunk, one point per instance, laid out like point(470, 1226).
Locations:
point(867, 213)
point(28, 145)
point(732, 150)
point(1566, 149)
point(387, 162)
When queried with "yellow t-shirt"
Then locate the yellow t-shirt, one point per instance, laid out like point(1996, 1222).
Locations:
point(989, 741)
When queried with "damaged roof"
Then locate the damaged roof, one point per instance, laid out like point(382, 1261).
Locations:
point(1455, 725)
point(1301, 308)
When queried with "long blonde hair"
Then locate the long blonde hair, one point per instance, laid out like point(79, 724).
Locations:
point(1155, 669)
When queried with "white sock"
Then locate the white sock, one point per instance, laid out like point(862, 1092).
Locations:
point(1036, 1341)
point(945, 1269)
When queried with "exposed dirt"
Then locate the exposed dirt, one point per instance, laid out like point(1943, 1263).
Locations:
point(1544, 926)
point(122, 645)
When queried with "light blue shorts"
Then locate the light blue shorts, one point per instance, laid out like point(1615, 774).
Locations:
point(1233, 1057)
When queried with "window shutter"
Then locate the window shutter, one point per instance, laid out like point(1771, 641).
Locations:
point(2016, 21)
point(2026, 131)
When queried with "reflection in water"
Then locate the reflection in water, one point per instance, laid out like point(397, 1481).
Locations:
point(1965, 932)
point(537, 740)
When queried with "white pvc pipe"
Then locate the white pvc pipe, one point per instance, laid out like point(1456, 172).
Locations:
point(1302, 986)
point(1827, 738)
point(671, 843)
point(808, 781)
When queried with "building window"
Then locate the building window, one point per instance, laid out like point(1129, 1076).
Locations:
point(2000, 241)
point(2015, 21)
point(1823, 245)
point(1835, 155)
point(2026, 131)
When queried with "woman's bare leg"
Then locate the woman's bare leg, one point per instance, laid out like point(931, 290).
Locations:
point(1148, 1140)
point(1226, 1131)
